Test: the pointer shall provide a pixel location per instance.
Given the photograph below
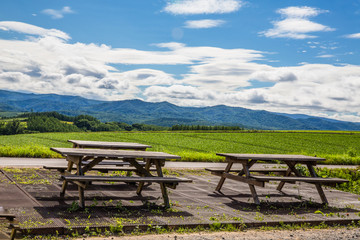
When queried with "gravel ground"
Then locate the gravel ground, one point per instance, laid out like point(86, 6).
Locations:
point(311, 234)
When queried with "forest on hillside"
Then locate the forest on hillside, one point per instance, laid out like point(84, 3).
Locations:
point(39, 122)
point(56, 122)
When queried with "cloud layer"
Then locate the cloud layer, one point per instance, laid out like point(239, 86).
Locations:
point(295, 23)
point(204, 23)
point(47, 63)
point(188, 7)
point(57, 14)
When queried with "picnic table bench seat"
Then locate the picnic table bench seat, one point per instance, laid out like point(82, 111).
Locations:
point(237, 170)
point(101, 168)
point(13, 224)
point(89, 178)
point(171, 182)
point(300, 179)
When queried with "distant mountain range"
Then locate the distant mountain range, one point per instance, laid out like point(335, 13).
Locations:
point(166, 114)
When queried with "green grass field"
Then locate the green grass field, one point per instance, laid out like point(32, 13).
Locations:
point(336, 147)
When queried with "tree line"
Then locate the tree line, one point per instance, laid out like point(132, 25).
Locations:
point(56, 122)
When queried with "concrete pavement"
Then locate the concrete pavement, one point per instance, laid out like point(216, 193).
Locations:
point(39, 162)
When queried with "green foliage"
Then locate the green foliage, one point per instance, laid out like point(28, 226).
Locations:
point(11, 127)
point(353, 175)
point(31, 151)
point(56, 115)
point(56, 122)
point(49, 124)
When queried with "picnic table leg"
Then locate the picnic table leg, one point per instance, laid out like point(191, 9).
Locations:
point(13, 233)
point(249, 164)
point(252, 187)
point(141, 185)
point(81, 197)
point(291, 169)
point(162, 185)
point(318, 185)
point(281, 184)
point(64, 184)
point(80, 172)
point(222, 179)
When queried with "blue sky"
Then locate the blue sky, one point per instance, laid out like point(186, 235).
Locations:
point(285, 56)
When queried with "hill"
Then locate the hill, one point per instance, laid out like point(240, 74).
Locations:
point(166, 114)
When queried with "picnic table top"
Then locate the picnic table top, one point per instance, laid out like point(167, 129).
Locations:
point(113, 153)
point(119, 145)
point(271, 157)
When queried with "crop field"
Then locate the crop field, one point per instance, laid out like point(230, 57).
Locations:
point(336, 147)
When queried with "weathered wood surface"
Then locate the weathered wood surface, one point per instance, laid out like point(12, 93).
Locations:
point(100, 168)
point(248, 160)
point(109, 163)
point(109, 153)
point(299, 179)
point(271, 157)
point(13, 223)
point(109, 145)
point(124, 179)
point(239, 178)
point(8, 216)
point(251, 170)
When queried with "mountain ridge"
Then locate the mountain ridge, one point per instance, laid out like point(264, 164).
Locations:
point(167, 114)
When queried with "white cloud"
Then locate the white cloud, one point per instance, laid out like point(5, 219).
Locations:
point(57, 14)
point(204, 23)
point(188, 7)
point(49, 64)
point(32, 30)
point(354, 35)
point(314, 89)
point(325, 56)
point(300, 12)
point(295, 24)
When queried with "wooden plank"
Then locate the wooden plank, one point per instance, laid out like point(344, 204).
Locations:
point(13, 224)
point(291, 169)
point(251, 170)
point(64, 184)
point(281, 184)
point(271, 157)
point(164, 192)
point(7, 216)
point(96, 168)
point(240, 178)
point(109, 145)
point(222, 179)
point(318, 186)
point(141, 185)
point(117, 163)
point(123, 179)
point(299, 179)
point(109, 153)
point(90, 165)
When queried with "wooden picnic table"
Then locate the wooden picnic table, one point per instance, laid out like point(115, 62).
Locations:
point(291, 175)
point(76, 156)
point(13, 223)
point(109, 145)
